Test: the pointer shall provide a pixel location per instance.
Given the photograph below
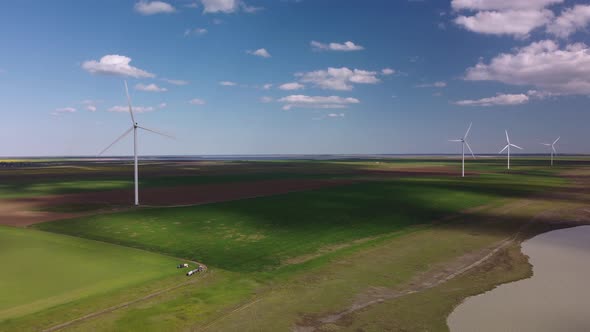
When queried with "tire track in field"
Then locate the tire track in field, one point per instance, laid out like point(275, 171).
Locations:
point(124, 304)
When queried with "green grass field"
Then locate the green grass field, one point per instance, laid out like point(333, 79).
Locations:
point(327, 246)
point(262, 233)
point(42, 270)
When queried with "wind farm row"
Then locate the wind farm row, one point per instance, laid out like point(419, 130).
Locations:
point(135, 126)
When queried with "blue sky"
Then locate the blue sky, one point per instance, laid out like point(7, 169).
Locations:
point(307, 76)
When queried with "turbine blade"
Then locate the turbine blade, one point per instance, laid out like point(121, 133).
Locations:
point(546, 144)
point(555, 151)
point(506, 147)
point(117, 140)
point(557, 140)
point(467, 132)
point(516, 146)
point(507, 138)
point(455, 140)
point(472, 154)
point(157, 132)
point(129, 103)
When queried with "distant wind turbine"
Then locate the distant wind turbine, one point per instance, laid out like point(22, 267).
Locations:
point(553, 151)
point(508, 145)
point(464, 143)
point(134, 128)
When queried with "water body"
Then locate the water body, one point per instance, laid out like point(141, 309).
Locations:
point(555, 298)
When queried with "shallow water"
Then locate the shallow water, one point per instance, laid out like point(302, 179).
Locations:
point(555, 298)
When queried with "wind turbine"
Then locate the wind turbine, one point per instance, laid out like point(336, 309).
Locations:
point(134, 128)
point(552, 145)
point(508, 145)
point(464, 143)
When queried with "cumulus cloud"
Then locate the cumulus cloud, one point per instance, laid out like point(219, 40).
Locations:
point(114, 64)
point(501, 4)
point(149, 88)
point(227, 6)
point(227, 83)
point(196, 101)
point(335, 115)
point(175, 82)
point(338, 78)
point(439, 84)
point(498, 100)
point(323, 102)
point(266, 99)
point(64, 110)
point(261, 52)
point(153, 7)
point(195, 32)
point(518, 23)
point(291, 86)
point(344, 47)
point(387, 71)
point(543, 65)
point(570, 20)
point(267, 86)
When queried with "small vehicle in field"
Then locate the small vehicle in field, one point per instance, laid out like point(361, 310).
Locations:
point(191, 272)
point(182, 266)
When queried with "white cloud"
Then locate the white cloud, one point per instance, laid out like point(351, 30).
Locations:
point(196, 101)
point(266, 99)
point(336, 115)
point(175, 82)
point(570, 20)
point(227, 83)
point(517, 23)
point(501, 4)
point(387, 71)
point(323, 102)
point(136, 109)
point(344, 47)
point(90, 105)
point(195, 32)
point(267, 86)
point(292, 86)
point(250, 9)
point(162, 105)
point(114, 64)
point(149, 88)
point(192, 5)
point(60, 111)
point(153, 7)
point(439, 84)
point(261, 52)
point(541, 64)
point(227, 6)
point(338, 78)
point(498, 100)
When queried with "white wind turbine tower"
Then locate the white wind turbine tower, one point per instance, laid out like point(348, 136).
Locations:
point(553, 151)
point(134, 128)
point(464, 143)
point(508, 145)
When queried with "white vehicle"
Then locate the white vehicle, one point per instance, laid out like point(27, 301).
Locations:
point(191, 272)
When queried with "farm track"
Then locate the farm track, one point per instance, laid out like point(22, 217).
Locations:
point(125, 304)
